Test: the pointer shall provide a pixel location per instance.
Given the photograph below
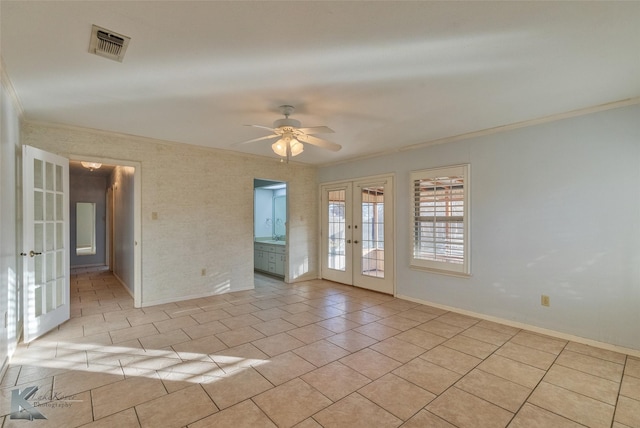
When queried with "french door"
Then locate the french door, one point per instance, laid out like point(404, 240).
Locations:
point(45, 200)
point(358, 233)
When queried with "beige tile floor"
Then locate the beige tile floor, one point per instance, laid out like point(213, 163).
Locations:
point(308, 355)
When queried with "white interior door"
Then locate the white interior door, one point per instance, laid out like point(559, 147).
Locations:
point(358, 233)
point(45, 241)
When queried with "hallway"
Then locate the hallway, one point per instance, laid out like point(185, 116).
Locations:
point(315, 354)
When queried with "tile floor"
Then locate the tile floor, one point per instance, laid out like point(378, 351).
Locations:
point(308, 355)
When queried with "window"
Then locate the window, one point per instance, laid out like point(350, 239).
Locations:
point(440, 219)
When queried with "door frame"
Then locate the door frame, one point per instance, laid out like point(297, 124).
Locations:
point(137, 218)
point(354, 184)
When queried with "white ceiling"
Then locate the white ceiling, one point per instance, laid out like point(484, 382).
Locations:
point(383, 75)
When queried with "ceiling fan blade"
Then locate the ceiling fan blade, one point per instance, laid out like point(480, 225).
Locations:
point(261, 127)
point(268, 137)
point(317, 130)
point(319, 142)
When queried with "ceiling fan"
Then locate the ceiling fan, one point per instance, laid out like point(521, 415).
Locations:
point(291, 136)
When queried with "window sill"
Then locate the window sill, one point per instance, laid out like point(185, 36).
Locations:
point(440, 271)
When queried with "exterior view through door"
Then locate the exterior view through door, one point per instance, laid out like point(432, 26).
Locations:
point(357, 233)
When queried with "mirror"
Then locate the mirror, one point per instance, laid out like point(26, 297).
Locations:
point(270, 210)
point(85, 228)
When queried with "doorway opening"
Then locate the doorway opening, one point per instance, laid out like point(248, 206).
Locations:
point(270, 227)
point(104, 215)
point(46, 235)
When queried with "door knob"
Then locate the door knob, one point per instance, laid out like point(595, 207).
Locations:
point(348, 241)
point(33, 253)
point(355, 242)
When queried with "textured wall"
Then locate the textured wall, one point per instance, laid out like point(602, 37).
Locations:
point(10, 221)
point(121, 182)
point(204, 201)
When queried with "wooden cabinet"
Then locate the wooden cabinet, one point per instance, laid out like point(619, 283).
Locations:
point(269, 258)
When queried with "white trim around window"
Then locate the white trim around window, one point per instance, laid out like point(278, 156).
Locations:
point(440, 219)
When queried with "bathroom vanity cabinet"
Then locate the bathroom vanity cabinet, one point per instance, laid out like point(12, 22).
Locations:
point(269, 257)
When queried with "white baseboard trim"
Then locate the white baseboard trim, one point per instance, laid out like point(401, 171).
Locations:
point(123, 284)
point(5, 365)
point(87, 266)
point(533, 328)
point(193, 296)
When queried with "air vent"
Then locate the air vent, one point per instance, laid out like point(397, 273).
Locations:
point(108, 44)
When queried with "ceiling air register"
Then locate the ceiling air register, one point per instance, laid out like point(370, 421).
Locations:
point(107, 43)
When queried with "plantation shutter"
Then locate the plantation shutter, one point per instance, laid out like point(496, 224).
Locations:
point(440, 219)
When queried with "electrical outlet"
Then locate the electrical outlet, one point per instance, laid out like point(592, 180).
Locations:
point(203, 272)
point(545, 301)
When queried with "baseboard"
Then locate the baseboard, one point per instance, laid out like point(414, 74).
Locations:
point(533, 328)
point(190, 297)
point(5, 365)
point(87, 266)
point(126, 287)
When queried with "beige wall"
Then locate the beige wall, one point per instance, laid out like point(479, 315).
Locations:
point(204, 201)
point(10, 220)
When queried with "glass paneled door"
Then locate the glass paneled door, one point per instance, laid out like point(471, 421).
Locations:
point(357, 233)
point(45, 201)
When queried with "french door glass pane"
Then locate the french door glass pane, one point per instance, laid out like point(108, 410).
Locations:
point(38, 206)
point(38, 301)
point(59, 171)
point(48, 231)
point(49, 207)
point(38, 176)
point(49, 176)
point(59, 207)
point(337, 230)
point(50, 288)
point(60, 292)
point(373, 231)
point(49, 239)
point(49, 266)
point(38, 237)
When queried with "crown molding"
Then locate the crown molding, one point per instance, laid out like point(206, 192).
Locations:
point(495, 130)
point(150, 140)
point(6, 82)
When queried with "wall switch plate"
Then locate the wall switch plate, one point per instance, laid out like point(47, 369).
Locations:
point(545, 301)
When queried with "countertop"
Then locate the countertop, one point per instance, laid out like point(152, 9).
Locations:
point(270, 241)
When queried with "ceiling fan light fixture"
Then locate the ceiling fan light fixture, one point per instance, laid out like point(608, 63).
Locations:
point(280, 146)
point(296, 147)
point(91, 165)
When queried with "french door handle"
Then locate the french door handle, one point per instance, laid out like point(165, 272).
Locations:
point(33, 253)
point(348, 241)
point(355, 242)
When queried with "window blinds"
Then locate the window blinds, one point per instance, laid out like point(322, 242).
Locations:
point(440, 232)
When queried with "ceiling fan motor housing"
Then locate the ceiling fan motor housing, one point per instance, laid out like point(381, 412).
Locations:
point(286, 122)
